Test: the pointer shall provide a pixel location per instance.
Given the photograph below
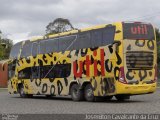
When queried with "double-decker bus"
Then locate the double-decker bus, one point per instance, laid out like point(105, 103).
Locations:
point(108, 60)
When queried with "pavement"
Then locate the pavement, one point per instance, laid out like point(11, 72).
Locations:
point(13, 104)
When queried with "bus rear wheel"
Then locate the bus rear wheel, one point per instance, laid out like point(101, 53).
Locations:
point(88, 93)
point(76, 93)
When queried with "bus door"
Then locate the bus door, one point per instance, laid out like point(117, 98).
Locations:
point(35, 69)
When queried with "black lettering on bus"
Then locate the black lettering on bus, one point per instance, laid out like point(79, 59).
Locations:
point(60, 87)
point(94, 48)
point(37, 82)
point(116, 73)
point(52, 90)
point(119, 60)
point(84, 52)
point(40, 62)
point(107, 66)
point(50, 54)
point(66, 81)
point(51, 79)
point(129, 47)
point(128, 76)
point(44, 88)
point(110, 48)
point(84, 64)
point(44, 58)
point(142, 74)
point(28, 60)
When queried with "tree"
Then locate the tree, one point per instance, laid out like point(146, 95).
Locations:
point(8, 45)
point(5, 47)
point(59, 25)
point(1, 51)
point(0, 34)
point(1, 47)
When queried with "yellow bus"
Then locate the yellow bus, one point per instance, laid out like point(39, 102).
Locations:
point(108, 60)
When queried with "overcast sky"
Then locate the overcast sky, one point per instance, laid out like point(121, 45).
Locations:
point(22, 19)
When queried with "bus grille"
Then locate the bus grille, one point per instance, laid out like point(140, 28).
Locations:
point(139, 60)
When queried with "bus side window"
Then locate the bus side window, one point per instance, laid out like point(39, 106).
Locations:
point(96, 38)
point(15, 50)
point(26, 50)
point(108, 35)
point(58, 71)
point(52, 45)
point(66, 43)
point(35, 72)
point(42, 47)
point(35, 49)
point(117, 44)
point(62, 70)
point(83, 41)
point(25, 73)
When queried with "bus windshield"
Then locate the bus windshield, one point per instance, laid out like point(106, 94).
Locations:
point(138, 31)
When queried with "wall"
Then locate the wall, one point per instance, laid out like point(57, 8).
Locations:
point(3, 74)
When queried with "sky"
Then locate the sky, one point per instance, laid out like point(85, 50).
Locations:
point(24, 19)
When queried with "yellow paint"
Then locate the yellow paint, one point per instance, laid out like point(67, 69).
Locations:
point(97, 82)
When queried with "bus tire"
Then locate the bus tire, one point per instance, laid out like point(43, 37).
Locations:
point(88, 93)
point(122, 97)
point(76, 93)
point(22, 92)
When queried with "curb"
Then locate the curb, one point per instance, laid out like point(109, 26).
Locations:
point(3, 88)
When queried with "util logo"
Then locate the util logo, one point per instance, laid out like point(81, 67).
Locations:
point(78, 65)
point(141, 29)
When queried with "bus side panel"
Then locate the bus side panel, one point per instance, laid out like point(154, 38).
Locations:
point(97, 68)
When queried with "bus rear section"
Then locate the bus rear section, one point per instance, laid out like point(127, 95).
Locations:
point(138, 75)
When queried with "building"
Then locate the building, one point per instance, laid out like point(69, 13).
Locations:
point(3, 73)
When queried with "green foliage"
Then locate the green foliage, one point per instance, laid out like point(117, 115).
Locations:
point(5, 47)
point(1, 51)
point(58, 25)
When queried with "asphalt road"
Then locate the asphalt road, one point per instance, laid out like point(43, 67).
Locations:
point(13, 104)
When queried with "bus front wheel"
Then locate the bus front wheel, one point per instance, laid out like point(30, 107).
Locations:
point(88, 93)
point(22, 92)
point(76, 93)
